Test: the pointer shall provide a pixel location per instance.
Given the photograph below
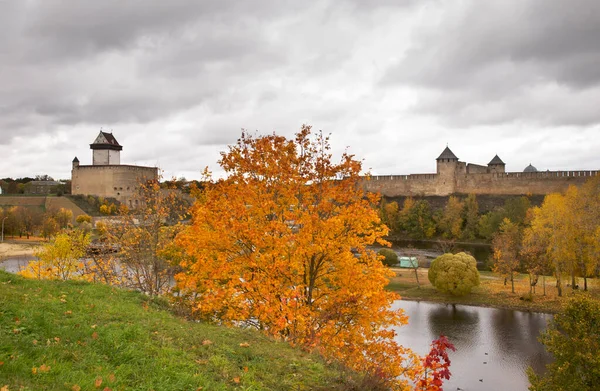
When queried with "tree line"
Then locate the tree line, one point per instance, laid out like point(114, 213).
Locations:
point(561, 237)
point(25, 221)
point(460, 219)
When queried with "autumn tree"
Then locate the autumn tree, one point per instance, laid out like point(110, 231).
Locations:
point(390, 215)
point(61, 258)
point(506, 246)
point(144, 239)
point(282, 245)
point(451, 221)
point(470, 215)
point(573, 338)
point(549, 225)
point(419, 222)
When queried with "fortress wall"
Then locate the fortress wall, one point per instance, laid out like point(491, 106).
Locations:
point(398, 185)
point(517, 183)
point(512, 183)
point(112, 181)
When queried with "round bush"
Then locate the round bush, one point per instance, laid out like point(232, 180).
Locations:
point(456, 274)
point(390, 257)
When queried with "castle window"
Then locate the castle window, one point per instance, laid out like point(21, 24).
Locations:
point(120, 188)
point(115, 188)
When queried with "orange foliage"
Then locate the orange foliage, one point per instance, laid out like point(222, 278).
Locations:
point(282, 245)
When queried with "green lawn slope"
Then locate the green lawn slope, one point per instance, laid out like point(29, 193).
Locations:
point(79, 336)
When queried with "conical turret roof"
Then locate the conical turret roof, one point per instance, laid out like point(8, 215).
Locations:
point(496, 161)
point(447, 154)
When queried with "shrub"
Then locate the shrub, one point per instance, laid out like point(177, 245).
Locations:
point(456, 274)
point(390, 257)
point(83, 219)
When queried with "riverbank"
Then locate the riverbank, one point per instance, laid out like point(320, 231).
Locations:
point(16, 248)
point(491, 293)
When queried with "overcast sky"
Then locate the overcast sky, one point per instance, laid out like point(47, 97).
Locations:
point(395, 81)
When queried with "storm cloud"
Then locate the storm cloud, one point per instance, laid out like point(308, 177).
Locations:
point(395, 81)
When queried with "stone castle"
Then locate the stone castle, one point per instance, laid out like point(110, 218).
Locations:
point(455, 177)
point(107, 177)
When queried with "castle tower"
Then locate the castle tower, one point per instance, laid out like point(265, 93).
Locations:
point(75, 163)
point(496, 165)
point(106, 150)
point(447, 170)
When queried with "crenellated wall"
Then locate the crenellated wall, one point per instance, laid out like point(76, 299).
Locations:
point(452, 180)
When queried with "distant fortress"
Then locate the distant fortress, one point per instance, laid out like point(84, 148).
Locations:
point(456, 177)
point(107, 177)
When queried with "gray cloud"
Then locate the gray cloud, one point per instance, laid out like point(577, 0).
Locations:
point(490, 62)
point(395, 81)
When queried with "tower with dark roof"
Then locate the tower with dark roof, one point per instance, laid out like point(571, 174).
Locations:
point(496, 165)
point(448, 167)
point(106, 150)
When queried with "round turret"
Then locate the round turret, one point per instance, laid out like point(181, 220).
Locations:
point(530, 168)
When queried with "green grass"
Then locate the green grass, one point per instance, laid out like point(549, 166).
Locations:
point(84, 332)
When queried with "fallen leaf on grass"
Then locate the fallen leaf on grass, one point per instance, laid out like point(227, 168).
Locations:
point(206, 342)
point(112, 378)
point(44, 368)
point(4, 388)
point(95, 335)
point(202, 362)
point(107, 389)
point(244, 344)
point(76, 388)
point(98, 382)
point(68, 312)
point(236, 380)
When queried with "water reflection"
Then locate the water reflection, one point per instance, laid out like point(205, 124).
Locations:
point(493, 347)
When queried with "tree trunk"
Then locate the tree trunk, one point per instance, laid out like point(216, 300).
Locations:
point(512, 282)
point(544, 283)
point(584, 283)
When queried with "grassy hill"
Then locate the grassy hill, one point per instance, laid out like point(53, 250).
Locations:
point(79, 336)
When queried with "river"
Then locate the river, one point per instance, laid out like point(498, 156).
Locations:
point(494, 347)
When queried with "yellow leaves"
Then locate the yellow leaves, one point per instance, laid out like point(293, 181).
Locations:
point(4, 388)
point(244, 345)
point(41, 369)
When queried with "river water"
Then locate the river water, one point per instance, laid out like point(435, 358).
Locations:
point(494, 347)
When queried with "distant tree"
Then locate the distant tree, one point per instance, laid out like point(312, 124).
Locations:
point(49, 227)
point(515, 209)
point(471, 217)
point(390, 215)
point(451, 221)
point(390, 258)
point(456, 274)
point(489, 224)
point(63, 217)
point(43, 177)
point(506, 246)
point(573, 338)
point(419, 221)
